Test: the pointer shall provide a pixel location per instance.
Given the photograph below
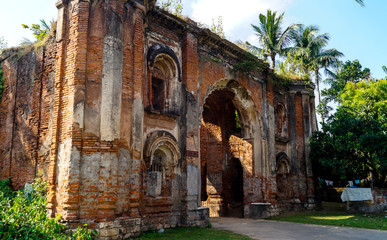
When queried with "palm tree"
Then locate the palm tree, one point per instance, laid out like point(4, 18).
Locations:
point(360, 2)
point(324, 58)
point(270, 34)
point(310, 55)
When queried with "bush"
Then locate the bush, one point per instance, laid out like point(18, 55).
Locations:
point(6, 188)
point(24, 216)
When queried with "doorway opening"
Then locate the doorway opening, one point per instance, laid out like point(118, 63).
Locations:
point(222, 150)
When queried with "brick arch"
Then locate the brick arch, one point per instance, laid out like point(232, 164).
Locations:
point(158, 50)
point(164, 142)
point(221, 144)
point(242, 101)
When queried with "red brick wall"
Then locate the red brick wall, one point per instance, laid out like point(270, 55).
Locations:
point(25, 113)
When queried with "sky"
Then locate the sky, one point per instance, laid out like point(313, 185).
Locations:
point(359, 32)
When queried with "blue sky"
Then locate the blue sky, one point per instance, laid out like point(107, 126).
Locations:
point(360, 33)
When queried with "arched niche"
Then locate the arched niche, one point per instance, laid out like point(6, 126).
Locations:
point(281, 121)
point(161, 159)
point(282, 166)
point(164, 79)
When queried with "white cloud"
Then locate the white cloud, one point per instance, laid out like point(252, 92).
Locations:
point(237, 15)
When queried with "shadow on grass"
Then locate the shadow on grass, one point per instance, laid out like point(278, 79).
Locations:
point(193, 233)
point(334, 214)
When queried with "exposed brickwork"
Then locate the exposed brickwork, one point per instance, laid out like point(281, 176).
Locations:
point(82, 111)
point(25, 114)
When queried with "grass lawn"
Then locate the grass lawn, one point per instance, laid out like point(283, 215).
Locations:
point(194, 233)
point(334, 214)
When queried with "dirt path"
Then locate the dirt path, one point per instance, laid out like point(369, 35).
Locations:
point(273, 230)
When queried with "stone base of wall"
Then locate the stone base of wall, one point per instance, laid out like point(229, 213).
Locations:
point(266, 210)
point(123, 228)
point(365, 207)
point(199, 217)
point(120, 228)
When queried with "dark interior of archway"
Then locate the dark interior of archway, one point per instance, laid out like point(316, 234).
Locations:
point(221, 172)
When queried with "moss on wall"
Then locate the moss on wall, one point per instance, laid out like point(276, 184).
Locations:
point(2, 82)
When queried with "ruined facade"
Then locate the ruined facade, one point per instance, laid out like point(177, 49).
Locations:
point(139, 119)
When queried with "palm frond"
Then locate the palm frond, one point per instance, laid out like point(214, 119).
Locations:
point(360, 2)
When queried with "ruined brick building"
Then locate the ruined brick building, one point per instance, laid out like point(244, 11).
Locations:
point(138, 119)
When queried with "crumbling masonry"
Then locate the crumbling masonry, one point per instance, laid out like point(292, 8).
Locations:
point(139, 119)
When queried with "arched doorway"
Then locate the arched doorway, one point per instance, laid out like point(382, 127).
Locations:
point(226, 152)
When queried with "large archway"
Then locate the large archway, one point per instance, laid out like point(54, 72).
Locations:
point(229, 148)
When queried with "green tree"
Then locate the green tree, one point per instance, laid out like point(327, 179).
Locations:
point(40, 31)
point(269, 31)
point(173, 6)
point(3, 45)
point(360, 2)
point(310, 53)
point(354, 145)
point(306, 40)
point(366, 97)
point(217, 26)
point(354, 139)
point(349, 71)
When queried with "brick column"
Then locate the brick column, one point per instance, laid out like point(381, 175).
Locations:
point(70, 77)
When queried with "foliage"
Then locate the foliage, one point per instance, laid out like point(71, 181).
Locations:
point(40, 31)
point(217, 27)
point(309, 53)
point(353, 145)
point(193, 233)
point(349, 71)
point(306, 45)
point(354, 139)
point(366, 98)
point(384, 70)
point(360, 2)
point(287, 70)
point(3, 45)
point(249, 65)
point(2, 81)
point(253, 50)
point(6, 188)
point(238, 123)
point(270, 34)
point(173, 6)
point(24, 216)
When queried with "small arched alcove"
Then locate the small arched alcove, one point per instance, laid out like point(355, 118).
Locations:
point(161, 158)
point(164, 79)
point(281, 122)
point(283, 170)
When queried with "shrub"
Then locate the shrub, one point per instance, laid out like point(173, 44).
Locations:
point(24, 216)
point(6, 188)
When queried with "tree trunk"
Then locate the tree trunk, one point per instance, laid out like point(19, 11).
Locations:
point(273, 61)
point(318, 92)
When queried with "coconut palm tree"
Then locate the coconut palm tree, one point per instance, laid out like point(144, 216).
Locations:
point(324, 58)
point(360, 2)
point(269, 31)
point(310, 55)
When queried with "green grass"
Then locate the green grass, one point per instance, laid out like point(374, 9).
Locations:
point(194, 233)
point(334, 215)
